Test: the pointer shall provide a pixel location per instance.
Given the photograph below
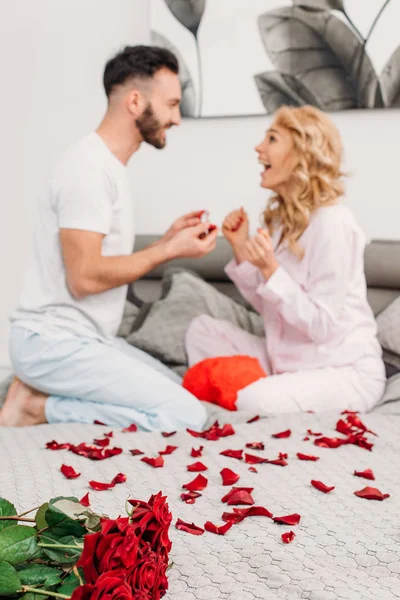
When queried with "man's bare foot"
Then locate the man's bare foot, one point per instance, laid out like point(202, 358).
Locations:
point(23, 406)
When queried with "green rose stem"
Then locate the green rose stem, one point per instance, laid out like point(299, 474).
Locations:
point(17, 518)
point(71, 546)
point(28, 511)
point(26, 588)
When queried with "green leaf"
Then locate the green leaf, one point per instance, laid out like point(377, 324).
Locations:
point(62, 517)
point(92, 522)
point(6, 510)
point(62, 555)
point(17, 544)
point(40, 519)
point(34, 575)
point(10, 583)
point(69, 584)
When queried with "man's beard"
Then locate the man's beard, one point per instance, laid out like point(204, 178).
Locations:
point(151, 128)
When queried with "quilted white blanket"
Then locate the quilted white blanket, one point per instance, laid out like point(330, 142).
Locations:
point(345, 546)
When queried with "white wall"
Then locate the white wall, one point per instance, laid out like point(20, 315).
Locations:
point(52, 55)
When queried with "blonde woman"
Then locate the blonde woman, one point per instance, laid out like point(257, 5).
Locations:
point(304, 273)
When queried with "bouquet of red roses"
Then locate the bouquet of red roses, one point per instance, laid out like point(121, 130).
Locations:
point(73, 553)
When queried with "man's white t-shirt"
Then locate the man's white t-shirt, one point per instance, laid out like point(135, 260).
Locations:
point(89, 190)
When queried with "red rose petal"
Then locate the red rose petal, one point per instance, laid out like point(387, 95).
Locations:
point(371, 493)
point(293, 519)
point(168, 450)
point(305, 439)
point(282, 455)
point(232, 518)
point(56, 446)
point(120, 478)
point(131, 428)
point(233, 453)
point(349, 412)
point(195, 453)
point(100, 487)
point(240, 497)
point(283, 434)
point(288, 537)
point(154, 462)
point(103, 443)
point(197, 466)
point(190, 497)
point(242, 513)
point(196, 434)
point(212, 435)
point(251, 459)
point(199, 483)
point(255, 445)
point(109, 452)
point(253, 419)
point(280, 462)
point(189, 527)
point(168, 433)
point(321, 486)
point(93, 452)
point(253, 511)
point(358, 439)
point(248, 490)
point(226, 430)
point(136, 452)
point(326, 442)
point(110, 434)
point(229, 477)
point(367, 474)
point(96, 422)
point(69, 472)
point(219, 530)
point(343, 427)
point(253, 469)
point(306, 456)
point(316, 434)
point(85, 500)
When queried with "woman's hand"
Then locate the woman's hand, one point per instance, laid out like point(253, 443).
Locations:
point(259, 251)
point(235, 229)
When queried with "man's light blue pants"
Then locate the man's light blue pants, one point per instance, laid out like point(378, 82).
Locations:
point(117, 384)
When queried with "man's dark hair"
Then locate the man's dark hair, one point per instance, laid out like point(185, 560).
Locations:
point(137, 61)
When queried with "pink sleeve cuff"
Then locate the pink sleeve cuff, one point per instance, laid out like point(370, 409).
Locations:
point(241, 271)
point(278, 287)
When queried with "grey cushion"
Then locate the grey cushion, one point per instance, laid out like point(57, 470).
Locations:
point(389, 327)
point(390, 400)
point(129, 317)
point(185, 296)
point(380, 298)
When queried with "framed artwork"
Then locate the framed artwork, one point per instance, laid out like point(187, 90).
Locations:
point(248, 57)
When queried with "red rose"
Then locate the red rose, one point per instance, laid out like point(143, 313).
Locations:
point(149, 574)
point(116, 546)
point(110, 586)
point(152, 520)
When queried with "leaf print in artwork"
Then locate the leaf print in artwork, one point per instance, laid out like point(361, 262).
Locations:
point(321, 4)
point(318, 56)
point(390, 81)
point(188, 12)
point(188, 102)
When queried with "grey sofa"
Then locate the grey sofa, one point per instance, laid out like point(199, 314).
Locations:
point(382, 269)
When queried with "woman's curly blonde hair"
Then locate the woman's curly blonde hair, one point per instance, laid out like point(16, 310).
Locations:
point(316, 179)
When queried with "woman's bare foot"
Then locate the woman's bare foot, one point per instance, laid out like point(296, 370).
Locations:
point(23, 406)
